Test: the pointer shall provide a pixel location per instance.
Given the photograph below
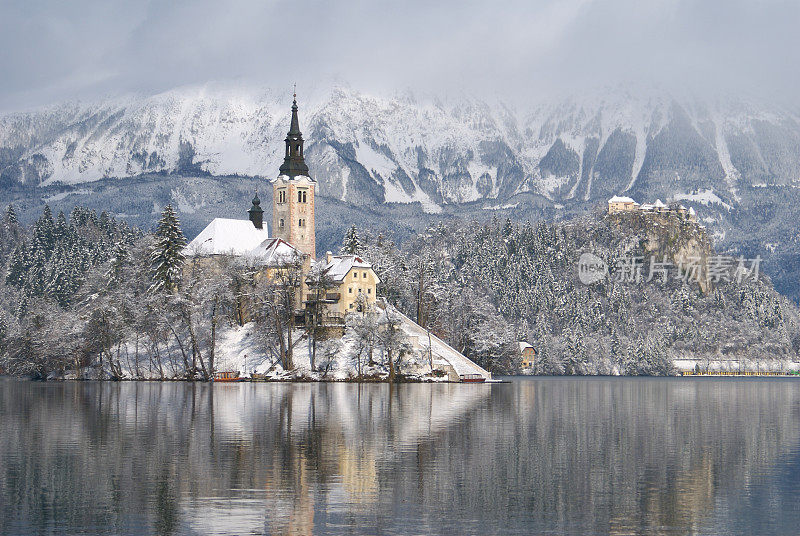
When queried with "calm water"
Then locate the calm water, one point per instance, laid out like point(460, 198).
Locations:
point(537, 456)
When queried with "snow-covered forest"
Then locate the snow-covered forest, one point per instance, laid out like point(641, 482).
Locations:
point(82, 291)
point(484, 286)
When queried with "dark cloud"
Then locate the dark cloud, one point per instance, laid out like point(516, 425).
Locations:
point(54, 50)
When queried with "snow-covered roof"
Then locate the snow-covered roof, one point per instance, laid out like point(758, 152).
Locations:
point(340, 265)
point(659, 204)
point(275, 252)
point(692, 211)
point(226, 236)
point(524, 346)
point(620, 199)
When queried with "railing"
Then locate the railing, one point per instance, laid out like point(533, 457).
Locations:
point(741, 373)
point(327, 320)
point(332, 319)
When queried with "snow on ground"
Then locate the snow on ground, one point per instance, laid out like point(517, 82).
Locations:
point(64, 195)
point(240, 349)
point(501, 207)
point(704, 197)
point(550, 183)
point(419, 338)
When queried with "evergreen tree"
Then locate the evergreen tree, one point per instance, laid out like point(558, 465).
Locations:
point(118, 260)
point(508, 228)
point(352, 243)
point(44, 234)
point(10, 217)
point(61, 229)
point(18, 267)
point(167, 256)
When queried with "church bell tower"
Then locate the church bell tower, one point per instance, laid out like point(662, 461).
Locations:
point(293, 194)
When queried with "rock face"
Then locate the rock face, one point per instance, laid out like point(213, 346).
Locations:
point(670, 237)
point(367, 150)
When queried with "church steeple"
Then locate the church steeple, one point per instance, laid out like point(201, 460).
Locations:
point(293, 162)
point(256, 213)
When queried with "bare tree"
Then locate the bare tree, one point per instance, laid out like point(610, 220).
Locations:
point(275, 298)
point(319, 284)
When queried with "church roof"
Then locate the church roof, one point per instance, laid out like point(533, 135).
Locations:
point(275, 252)
point(340, 265)
point(227, 236)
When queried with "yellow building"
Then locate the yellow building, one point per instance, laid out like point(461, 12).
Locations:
point(354, 282)
point(621, 204)
point(527, 354)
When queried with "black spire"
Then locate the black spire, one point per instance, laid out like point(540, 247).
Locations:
point(293, 163)
point(256, 213)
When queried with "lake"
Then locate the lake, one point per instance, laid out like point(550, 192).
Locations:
point(533, 456)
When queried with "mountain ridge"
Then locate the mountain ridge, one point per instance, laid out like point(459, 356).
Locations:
point(736, 161)
point(368, 149)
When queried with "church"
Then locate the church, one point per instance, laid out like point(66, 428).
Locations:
point(350, 282)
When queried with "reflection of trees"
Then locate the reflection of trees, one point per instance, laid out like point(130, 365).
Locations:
point(619, 455)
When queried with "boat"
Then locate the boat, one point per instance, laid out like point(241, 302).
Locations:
point(472, 378)
point(227, 376)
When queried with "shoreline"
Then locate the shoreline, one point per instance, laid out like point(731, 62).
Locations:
point(408, 381)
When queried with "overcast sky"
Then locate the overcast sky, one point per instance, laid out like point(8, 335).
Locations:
point(515, 49)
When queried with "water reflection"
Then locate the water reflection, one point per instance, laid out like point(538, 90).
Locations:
point(620, 456)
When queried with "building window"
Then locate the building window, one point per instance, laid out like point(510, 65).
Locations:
point(350, 290)
point(302, 196)
point(369, 291)
point(281, 196)
point(301, 222)
point(359, 290)
point(351, 306)
point(280, 224)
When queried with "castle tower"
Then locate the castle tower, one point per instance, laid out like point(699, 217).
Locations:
point(293, 194)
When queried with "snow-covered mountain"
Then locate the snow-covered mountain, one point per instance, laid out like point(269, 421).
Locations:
point(366, 149)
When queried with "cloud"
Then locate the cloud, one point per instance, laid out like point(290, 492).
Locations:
point(512, 49)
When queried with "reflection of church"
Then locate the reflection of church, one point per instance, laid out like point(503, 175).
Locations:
point(351, 281)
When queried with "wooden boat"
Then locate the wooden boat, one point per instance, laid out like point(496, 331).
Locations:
point(227, 376)
point(472, 378)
